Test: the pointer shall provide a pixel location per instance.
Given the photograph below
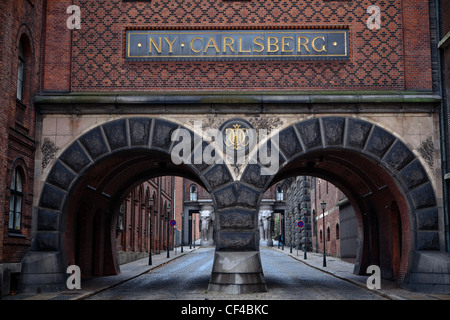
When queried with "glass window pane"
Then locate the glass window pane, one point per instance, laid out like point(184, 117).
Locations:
point(19, 186)
point(20, 72)
point(11, 212)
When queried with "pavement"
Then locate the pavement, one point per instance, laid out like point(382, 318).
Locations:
point(334, 266)
point(344, 270)
point(95, 285)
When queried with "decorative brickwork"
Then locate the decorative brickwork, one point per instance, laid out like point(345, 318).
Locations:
point(376, 56)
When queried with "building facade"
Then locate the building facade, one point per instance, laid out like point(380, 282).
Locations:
point(347, 91)
point(149, 205)
point(20, 60)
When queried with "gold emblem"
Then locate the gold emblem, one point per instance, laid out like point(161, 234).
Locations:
point(236, 137)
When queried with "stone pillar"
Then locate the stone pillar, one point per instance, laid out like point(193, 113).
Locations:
point(237, 263)
point(207, 217)
point(265, 226)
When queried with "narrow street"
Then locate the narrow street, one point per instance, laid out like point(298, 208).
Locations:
point(187, 277)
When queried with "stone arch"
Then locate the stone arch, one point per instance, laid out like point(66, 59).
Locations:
point(342, 150)
point(102, 164)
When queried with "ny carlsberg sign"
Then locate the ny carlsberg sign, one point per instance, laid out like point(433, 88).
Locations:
point(237, 44)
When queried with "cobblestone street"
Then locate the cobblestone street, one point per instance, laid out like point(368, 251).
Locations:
point(187, 278)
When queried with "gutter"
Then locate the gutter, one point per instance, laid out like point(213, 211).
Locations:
point(444, 42)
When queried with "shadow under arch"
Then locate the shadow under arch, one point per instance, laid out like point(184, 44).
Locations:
point(375, 169)
point(92, 174)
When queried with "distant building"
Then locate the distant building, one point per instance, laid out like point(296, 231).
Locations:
point(303, 197)
point(133, 223)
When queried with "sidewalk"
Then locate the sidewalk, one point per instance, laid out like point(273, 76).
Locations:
point(344, 270)
point(92, 286)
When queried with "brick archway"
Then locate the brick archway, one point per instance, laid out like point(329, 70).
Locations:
point(90, 176)
point(361, 157)
point(375, 169)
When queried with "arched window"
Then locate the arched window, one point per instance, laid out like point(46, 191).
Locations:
point(279, 191)
point(20, 72)
point(328, 234)
point(15, 202)
point(193, 192)
point(337, 231)
point(320, 235)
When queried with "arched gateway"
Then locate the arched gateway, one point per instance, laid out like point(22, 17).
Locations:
point(373, 167)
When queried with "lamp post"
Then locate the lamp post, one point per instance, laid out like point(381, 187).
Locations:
point(182, 231)
point(194, 233)
point(323, 205)
point(190, 231)
point(168, 223)
point(150, 205)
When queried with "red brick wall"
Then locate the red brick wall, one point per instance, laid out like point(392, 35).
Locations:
point(58, 38)
point(396, 57)
point(20, 19)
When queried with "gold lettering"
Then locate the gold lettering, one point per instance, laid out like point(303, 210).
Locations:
point(271, 44)
point(304, 44)
point(192, 43)
point(284, 44)
point(211, 44)
point(240, 46)
point(170, 44)
point(155, 45)
point(260, 44)
point(226, 44)
point(313, 44)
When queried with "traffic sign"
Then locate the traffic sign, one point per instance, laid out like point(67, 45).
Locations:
point(173, 223)
point(300, 224)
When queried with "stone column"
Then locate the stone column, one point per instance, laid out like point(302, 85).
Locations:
point(237, 262)
point(207, 218)
point(265, 226)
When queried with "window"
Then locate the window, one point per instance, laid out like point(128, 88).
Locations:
point(193, 193)
point(20, 72)
point(328, 234)
point(320, 235)
point(279, 193)
point(15, 202)
point(337, 231)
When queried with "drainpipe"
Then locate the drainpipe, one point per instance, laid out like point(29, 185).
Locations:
point(445, 176)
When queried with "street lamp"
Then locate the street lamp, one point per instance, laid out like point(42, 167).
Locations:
point(194, 233)
point(190, 231)
point(168, 223)
point(150, 205)
point(182, 231)
point(323, 205)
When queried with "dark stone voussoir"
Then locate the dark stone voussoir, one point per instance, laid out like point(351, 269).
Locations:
point(427, 240)
point(427, 219)
point(60, 176)
point(162, 134)
point(139, 131)
point(357, 133)
point(48, 220)
point(94, 143)
point(75, 157)
point(116, 133)
point(398, 156)
point(218, 176)
point(379, 142)
point(51, 197)
point(289, 143)
point(413, 175)
point(310, 133)
point(333, 128)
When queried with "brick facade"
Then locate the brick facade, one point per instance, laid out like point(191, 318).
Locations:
point(396, 57)
point(133, 221)
point(20, 27)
